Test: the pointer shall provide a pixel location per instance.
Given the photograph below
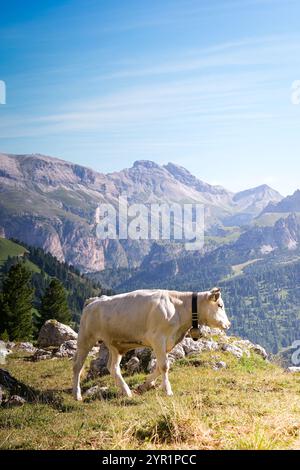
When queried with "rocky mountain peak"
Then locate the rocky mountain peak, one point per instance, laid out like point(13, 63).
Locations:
point(148, 164)
point(287, 204)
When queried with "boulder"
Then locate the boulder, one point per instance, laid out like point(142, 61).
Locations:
point(67, 349)
point(207, 332)
point(234, 350)
point(54, 333)
point(247, 346)
point(260, 351)
point(96, 392)
point(190, 346)
point(133, 365)
point(41, 355)
point(98, 366)
point(176, 353)
point(24, 347)
point(193, 347)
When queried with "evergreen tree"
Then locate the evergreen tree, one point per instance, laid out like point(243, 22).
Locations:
point(16, 303)
point(54, 304)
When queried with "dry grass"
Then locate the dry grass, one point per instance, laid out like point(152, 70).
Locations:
point(249, 405)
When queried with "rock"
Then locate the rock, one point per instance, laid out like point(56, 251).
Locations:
point(24, 347)
point(67, 349)
point(42, 354)
point(54, 333)
point(193, 347)
point(143, 359)
point(247, 346)
point(232, 349)
point(177, 352)
point(206, 331)
point(98, 366)
point(96, 392)
point(151, 366)
point(145, 355)
point(293, 370)
point(260, 351)
point(3, 352)
point(242, 343)
point(209, 345)
point(220, 365)
point(190, 346)
point(133, 365)
point(15, 400)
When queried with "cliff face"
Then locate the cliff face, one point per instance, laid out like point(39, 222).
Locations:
point(51, 203)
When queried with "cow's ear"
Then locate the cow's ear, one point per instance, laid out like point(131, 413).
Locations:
point(215, 294)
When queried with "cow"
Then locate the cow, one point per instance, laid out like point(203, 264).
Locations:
point(158, 319)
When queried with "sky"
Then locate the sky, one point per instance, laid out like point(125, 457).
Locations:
point(206, 84)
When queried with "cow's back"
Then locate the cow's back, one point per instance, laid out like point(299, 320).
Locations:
point(129, 316)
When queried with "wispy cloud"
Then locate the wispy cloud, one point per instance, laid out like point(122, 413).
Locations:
point(218, 93)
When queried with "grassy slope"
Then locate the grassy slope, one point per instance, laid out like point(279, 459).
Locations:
point(249, 405)
point(9, 248)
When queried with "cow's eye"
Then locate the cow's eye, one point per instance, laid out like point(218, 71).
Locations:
point(219, 305)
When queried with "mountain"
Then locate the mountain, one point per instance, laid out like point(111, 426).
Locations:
point(252, 202)
point(288, 204)
point(52, 204)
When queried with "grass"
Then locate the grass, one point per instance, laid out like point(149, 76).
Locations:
point(12, 249)
point(249, 405)
point(9, 248)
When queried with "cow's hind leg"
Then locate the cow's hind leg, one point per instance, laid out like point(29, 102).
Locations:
point(115, 370)
point(83, 348)
point(150, 380)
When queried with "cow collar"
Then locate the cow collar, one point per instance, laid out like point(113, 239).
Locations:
point(195, 330)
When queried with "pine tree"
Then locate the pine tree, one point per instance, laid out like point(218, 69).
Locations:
point(54, 304)
point(16, 303)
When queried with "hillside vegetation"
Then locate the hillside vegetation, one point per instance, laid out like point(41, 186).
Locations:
point(43, 267)
point(262, 295)
point(251, 404)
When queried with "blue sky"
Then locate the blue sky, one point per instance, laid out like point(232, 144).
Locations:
point(205, 84)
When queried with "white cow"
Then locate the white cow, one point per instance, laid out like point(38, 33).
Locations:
point(157, 319)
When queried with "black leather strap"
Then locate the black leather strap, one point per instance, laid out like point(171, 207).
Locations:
point(195, 322)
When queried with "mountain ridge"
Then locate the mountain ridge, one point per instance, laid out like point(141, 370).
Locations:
point(52, 203)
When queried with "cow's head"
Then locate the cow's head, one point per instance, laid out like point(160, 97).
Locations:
point(212, 310)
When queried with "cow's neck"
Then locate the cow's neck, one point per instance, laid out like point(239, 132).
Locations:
point(186, 309)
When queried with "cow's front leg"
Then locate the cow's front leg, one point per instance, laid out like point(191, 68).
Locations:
point(163, 366)
point(115, 370)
